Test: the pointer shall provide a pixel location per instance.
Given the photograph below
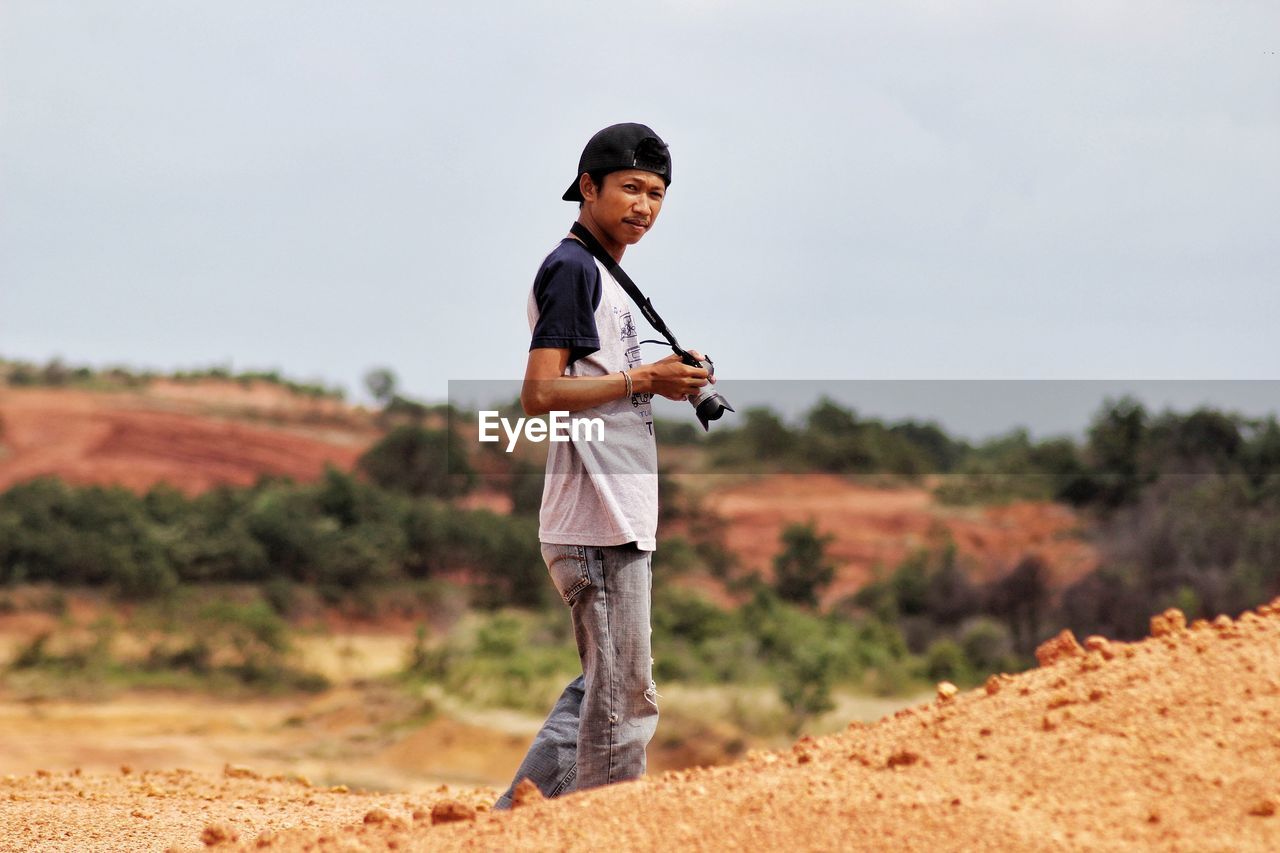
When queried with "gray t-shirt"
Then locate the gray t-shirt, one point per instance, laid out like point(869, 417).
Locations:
point(597, 492)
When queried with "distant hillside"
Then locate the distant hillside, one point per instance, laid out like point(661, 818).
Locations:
point(874, 529)
point(198, 434)
point(193, 435)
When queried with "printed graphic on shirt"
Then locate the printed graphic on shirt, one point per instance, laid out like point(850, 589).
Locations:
point(627, 335)
point(628, 329)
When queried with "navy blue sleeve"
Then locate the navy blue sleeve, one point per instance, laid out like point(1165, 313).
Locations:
point(567, 293)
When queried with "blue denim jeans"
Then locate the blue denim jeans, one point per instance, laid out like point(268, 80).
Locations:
point(599, 728)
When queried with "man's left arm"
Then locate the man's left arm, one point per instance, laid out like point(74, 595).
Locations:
point(547, 389)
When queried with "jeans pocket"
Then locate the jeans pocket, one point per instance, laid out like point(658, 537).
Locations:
point(568, 567)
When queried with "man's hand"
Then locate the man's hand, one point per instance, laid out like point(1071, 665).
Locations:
point(671, 377)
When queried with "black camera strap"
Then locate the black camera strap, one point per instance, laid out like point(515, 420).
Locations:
point(646, 306)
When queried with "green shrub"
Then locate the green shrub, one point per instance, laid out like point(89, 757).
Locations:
point(34, 653)
point(801, 570)
point(426, 527)
point(420, 462)
point(92, 535)
point(945, 660)
point(696, 641)
point(91, 657)
point(804, 684)
point(527, 482)
point(505, 553)
point(253, 641)
point(988, 646)
point(280, 595)
point(676, 557)
point(506, 659)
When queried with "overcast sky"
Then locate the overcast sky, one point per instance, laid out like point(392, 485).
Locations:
point(861, 191)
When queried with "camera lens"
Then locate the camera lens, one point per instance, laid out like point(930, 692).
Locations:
point(710, 407)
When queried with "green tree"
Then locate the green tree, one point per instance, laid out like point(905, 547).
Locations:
point(941, 451)
point(804, 684)
point(1021, 598)
point(1201, 442)
point(420, 462)
point(1116, 440)
point(802, 571)
point(527, 482)
point(761, 436)
point(833, 439)
point(1261, 454)
point(381, 384)
point(945, 660)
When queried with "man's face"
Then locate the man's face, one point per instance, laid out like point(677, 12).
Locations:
point(626, 206)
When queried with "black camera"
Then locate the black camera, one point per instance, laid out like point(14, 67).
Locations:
point(707, 402)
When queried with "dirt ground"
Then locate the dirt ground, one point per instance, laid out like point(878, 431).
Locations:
point(1171, 744)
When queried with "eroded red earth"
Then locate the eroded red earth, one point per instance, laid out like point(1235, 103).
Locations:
point(873, 529)
point(193, 438)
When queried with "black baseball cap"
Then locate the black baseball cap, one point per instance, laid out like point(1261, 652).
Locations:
point(622, 146)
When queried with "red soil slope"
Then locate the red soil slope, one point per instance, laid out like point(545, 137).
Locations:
point(1169, 744)
point(190, 436)
point(877, 528)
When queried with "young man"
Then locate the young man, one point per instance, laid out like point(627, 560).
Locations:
point(599, 515)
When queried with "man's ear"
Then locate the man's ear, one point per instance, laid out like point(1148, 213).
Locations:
point(587, 187)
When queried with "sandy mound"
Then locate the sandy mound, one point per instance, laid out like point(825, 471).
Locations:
point(1170, 743)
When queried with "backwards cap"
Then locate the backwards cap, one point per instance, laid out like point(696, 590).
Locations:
point(622, 146)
